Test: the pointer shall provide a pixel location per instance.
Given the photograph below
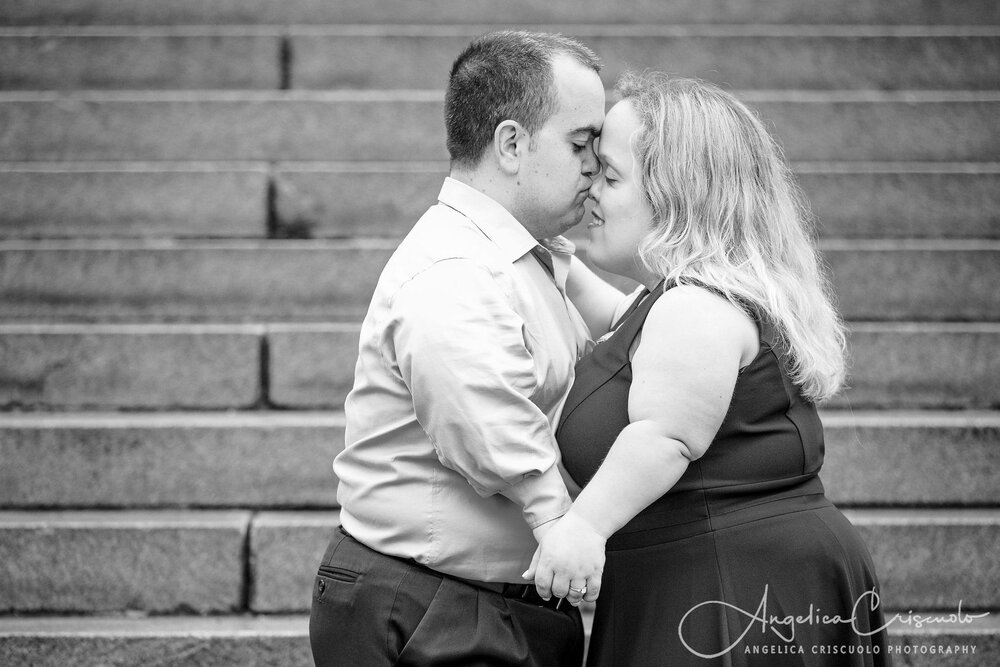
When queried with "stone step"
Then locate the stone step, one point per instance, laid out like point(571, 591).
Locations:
point(740, 57)
point(238, 125)
point(199, 367)
point(420, 56)
point(896, 280)
point(205, 200)
point(304, 366)
point(310, 12)
point(283, 640)
point(205, 641)
point(32, 59)
point(96, 200)
point(167, 280)
point(106, 280)
point(282, 459)
point(924, 558)
point(911, 458)
point(907, 365)
point(884, 200)
point(172, 561)
point(890, 279)
point(169, 460)
point(177, 562)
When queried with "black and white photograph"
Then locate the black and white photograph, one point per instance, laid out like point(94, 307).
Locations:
point(499, 333)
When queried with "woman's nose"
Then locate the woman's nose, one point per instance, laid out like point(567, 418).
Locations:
point(595, 187)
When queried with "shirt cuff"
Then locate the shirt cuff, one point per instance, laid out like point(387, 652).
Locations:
point(544, 497)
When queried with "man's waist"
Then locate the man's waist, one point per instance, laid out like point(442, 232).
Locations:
point(478, 546)
point(525, 592)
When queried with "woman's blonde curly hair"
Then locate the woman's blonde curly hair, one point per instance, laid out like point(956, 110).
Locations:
point(729, 216)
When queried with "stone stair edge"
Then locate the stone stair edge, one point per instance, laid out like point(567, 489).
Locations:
point(832, 418)
point(297, 624)
point(126, 518)
point(440, 166)
point(867, 244)
point(269, 518)
point(312, 11)
point(98, 625)
point(280, 623)
point(870, 243)
point(433, 95)
point(10, 327)
point(209, 419)
point(580, 30)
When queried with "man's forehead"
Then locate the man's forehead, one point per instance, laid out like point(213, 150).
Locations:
point(580, 93)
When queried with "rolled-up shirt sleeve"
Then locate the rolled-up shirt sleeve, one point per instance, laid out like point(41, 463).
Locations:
point(460, 348)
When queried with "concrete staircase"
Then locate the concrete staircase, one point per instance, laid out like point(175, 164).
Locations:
point(198, 197)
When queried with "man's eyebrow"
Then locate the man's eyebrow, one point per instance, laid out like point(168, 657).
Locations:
point(588, 130)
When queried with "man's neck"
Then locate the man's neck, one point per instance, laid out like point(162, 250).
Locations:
point(494, 186)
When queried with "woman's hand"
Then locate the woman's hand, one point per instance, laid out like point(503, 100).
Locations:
point(569, 561)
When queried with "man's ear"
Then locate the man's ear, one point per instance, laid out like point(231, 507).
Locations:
point(510, 143)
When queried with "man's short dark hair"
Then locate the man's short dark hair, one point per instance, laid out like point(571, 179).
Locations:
point(502, 76)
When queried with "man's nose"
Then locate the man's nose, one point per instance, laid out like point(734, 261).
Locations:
point(591, 164)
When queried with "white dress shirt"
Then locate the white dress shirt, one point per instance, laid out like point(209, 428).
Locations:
point(466, 357)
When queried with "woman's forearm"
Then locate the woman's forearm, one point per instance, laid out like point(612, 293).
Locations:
point(641, 466)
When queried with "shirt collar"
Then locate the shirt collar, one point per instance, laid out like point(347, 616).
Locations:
point(496, 222)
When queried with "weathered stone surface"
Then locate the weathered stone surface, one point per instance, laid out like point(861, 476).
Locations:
point(203, 367)
point(223, 126)
point(351, 200)
point(923, 366)
point(874, 201)
point(905, 365)
point(198, 641)
point(146, 59)
point(740, 58)
point(934, 559)
point(153, 12)
point(251, 281)
point(280, 641)
point(302, 125)
point(311, 366)
point(926, 559)
point(78, 367)
point(113, 561)
point(286, 550)
point(916, 281)
point(897, 127)
point(912, 458)
point(216, 281)
point(904, 204)
point(88, 201)
point(111, 460)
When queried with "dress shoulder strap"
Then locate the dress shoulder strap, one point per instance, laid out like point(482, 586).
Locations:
point(630, 324)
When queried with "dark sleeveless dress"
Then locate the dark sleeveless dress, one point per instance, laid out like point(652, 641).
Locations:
point(746, 533)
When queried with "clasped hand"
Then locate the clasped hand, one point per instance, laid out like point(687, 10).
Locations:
point(569, 560)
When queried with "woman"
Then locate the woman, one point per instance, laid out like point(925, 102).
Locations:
point(693, 426)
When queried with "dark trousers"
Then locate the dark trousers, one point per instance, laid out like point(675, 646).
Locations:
point(369, 610)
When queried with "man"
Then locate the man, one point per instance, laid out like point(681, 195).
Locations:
point(450, 473)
